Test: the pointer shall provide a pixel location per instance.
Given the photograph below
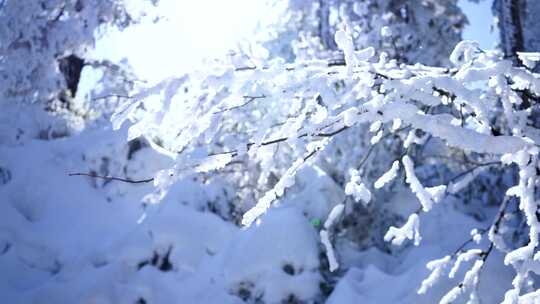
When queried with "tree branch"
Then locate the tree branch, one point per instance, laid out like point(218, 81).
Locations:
point(250, 100)
point(125, 180)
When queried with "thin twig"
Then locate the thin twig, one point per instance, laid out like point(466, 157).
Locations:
point(478, 165)
point(112, 95)
point(250, 100)
point(363, 161)
point(282, 139)
point(494, 227)
point(125, 180)
point(467, 242)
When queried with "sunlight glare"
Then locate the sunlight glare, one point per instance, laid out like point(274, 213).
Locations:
point(189, 32)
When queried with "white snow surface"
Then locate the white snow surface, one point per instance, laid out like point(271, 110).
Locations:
point(73, 239)
point(375, 277)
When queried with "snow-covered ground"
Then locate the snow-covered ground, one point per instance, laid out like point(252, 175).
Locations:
point(71, 239)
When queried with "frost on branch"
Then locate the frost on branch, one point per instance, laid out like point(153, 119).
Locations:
point(530, 60)
point(286, 181)
point(387, 177)
point(464, 52)
point(426, 196)
point(438, 268)
point(464, 257)
point(352, 58)
point(345, 43)
point(357, 189)
point(409, 231)
point(524, 259)
point(469, 284)
point(333, 217)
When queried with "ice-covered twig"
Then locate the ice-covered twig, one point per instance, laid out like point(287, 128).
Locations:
point(335, 213)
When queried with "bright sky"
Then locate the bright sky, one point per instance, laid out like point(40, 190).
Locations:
point(197, 29)
point(191, 31)
point(480, 22)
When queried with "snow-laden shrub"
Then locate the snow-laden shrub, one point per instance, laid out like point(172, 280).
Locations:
point(278, 117)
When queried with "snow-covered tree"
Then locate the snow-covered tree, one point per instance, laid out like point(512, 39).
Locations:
point(409, 31)
point(43, 50)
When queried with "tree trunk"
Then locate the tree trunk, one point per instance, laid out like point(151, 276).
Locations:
point(327, 37)
point(519, 27)
point(508, 13)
